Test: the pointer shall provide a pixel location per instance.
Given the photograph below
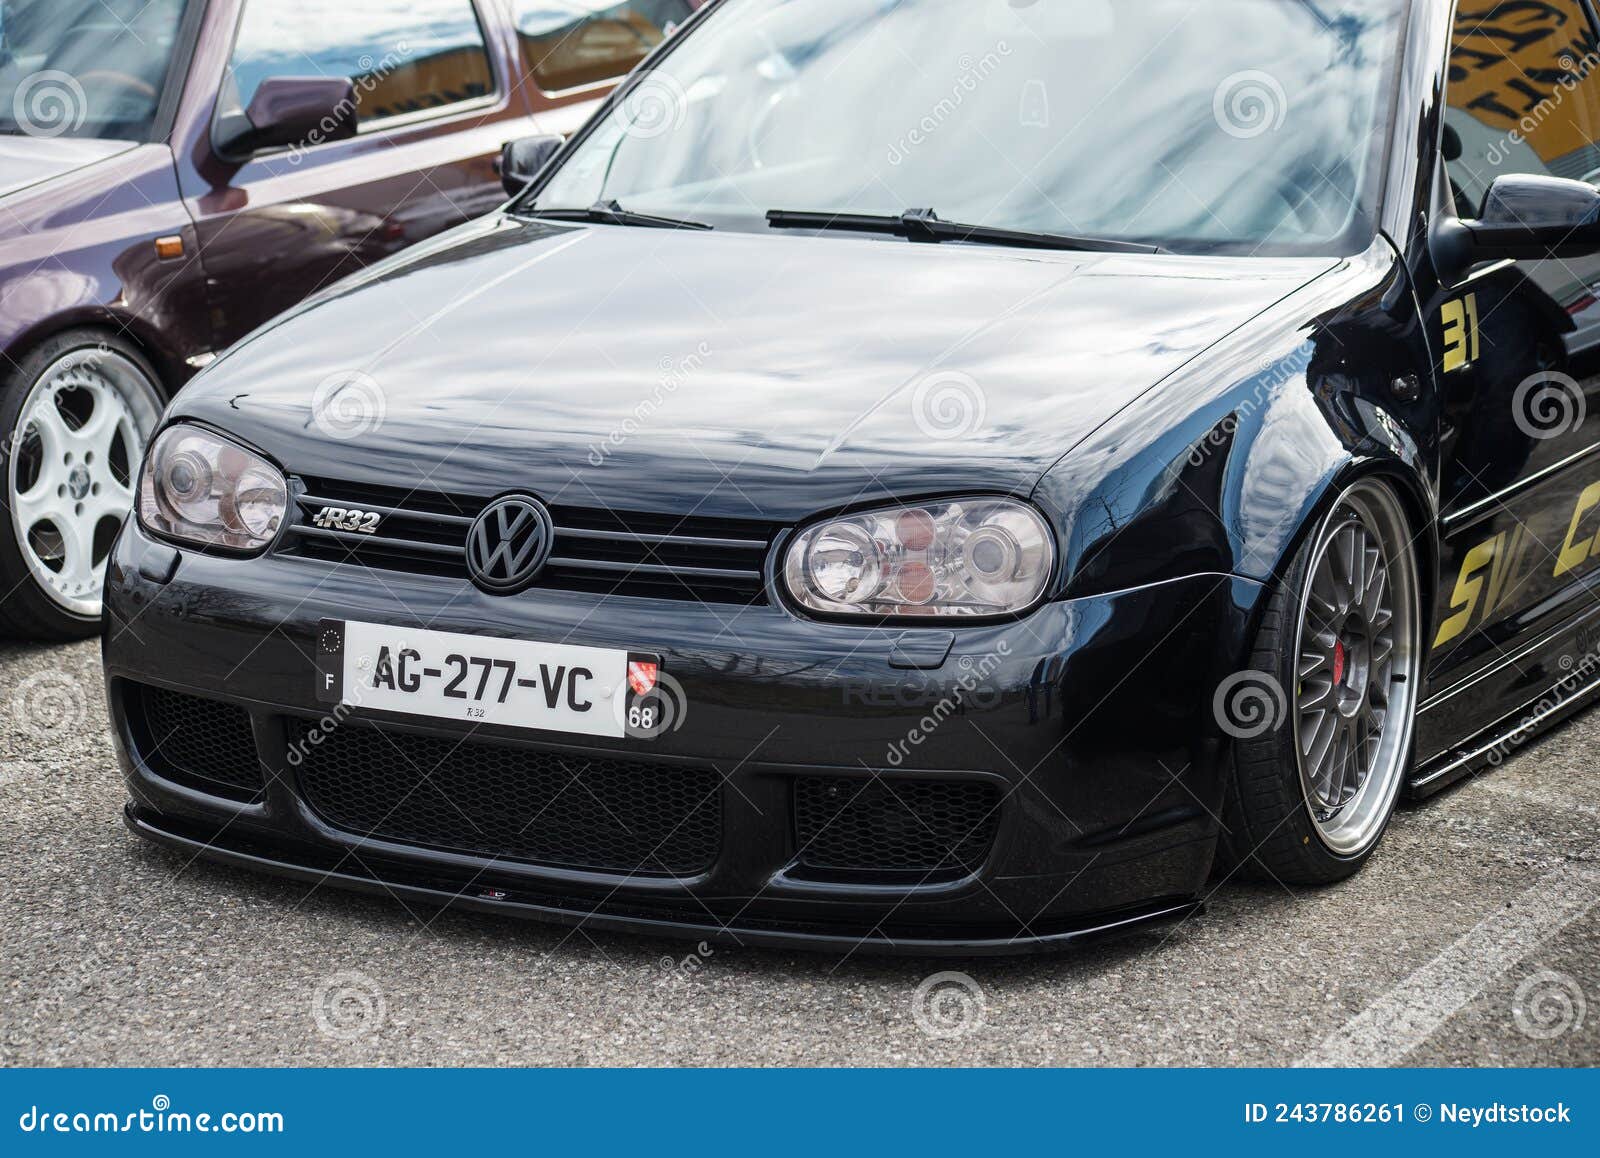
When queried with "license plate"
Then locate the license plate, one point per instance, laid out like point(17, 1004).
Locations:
point(478, 679)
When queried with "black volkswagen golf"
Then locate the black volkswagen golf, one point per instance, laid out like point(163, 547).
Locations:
point(914, 475)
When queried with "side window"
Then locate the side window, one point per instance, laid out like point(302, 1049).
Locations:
point(403, 58)
point(569, 43)
point(1524, 95)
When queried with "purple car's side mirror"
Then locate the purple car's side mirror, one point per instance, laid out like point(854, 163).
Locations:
point(288, 111)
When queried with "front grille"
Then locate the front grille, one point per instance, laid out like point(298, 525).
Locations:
point(492, 800)
point(195, 741)
point(894, 826)
point(599, 551)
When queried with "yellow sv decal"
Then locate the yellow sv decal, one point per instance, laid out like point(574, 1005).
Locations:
point(1501, 557)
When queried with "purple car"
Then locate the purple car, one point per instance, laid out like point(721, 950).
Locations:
point(173, 173)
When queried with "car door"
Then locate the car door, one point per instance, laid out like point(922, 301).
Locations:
point(433, 107)
point(1517, 344)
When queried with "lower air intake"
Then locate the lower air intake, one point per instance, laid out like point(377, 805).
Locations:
point(492, 800)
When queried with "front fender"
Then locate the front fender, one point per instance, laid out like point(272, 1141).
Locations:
point(80, 251)
point(1225, 467)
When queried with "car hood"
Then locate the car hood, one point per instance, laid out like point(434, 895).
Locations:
point(737, 375)
point(27, 161)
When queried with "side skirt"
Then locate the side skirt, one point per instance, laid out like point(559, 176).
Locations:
point(1564, 697)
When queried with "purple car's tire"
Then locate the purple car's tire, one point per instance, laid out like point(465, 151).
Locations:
point(75, 416)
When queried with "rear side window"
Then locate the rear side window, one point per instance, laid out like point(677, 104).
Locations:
point(403, 58)
point(1524, 96)
point(570, 43)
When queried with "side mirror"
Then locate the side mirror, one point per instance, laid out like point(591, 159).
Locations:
point(1523, 216)
point(291, 110)
point(521, 160)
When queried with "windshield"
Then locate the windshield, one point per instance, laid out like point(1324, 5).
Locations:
point(1196, 125)
point(85, 68)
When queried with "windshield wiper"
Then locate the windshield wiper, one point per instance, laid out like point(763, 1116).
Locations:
point(926, 225)
point(610, 213)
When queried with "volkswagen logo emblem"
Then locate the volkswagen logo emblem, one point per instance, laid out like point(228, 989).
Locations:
point(508, 545)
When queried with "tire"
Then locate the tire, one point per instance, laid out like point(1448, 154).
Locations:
point(77, 412)
point(1321, 723)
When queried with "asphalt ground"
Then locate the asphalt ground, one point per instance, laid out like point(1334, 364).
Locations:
point(1473, 939)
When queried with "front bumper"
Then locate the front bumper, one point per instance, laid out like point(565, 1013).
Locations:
point(1091, 719)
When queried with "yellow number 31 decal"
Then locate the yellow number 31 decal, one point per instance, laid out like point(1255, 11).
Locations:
point(1460, 319)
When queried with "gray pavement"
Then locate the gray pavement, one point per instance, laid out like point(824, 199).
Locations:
point(1472, 939)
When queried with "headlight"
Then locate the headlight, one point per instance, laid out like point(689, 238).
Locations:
point(971, 557)
point(201, 488)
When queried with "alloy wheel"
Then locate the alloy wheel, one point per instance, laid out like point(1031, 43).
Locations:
point(79, 440)
point(1357, 663)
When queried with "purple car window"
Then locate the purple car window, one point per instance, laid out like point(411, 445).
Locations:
point(85, 68)
point(404, 58)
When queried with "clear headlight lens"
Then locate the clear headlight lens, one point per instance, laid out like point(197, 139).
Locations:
point(970, 557)
point(201, 488)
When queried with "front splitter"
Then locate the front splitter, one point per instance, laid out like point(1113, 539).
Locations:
point(868, 941)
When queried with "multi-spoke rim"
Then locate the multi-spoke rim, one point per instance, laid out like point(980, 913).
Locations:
point(1357, 660)
point(79, 439)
